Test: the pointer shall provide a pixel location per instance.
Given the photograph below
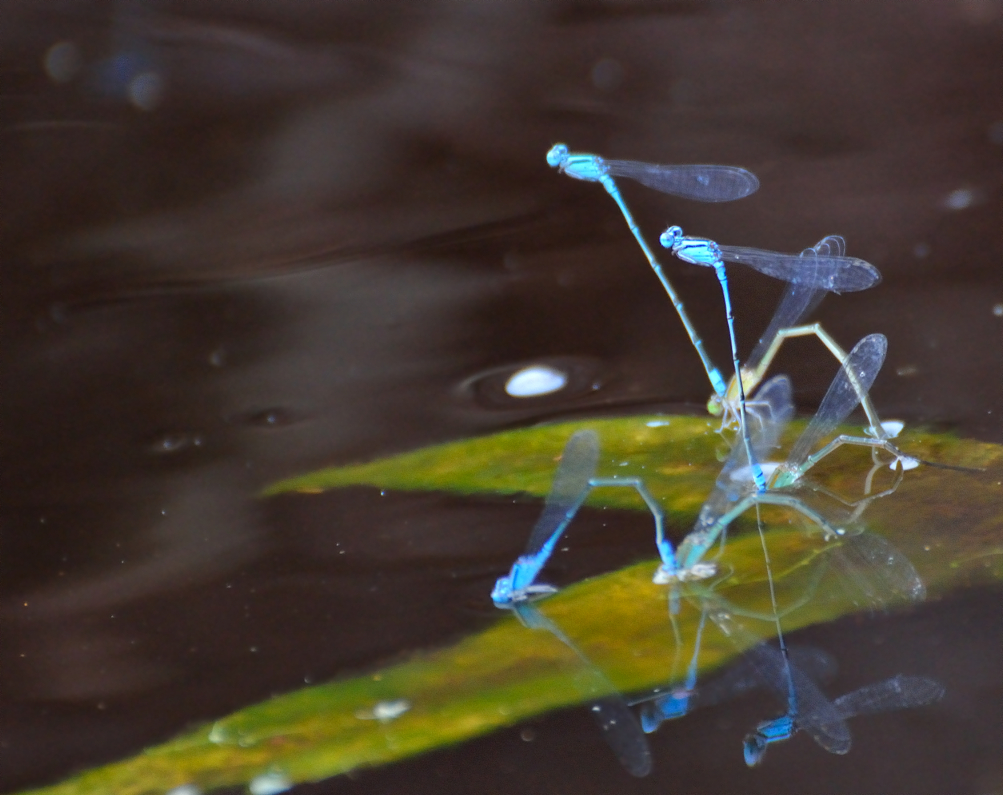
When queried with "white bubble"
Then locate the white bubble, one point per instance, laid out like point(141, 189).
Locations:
point(535, 380)
point(390, 710)
point(998, 310)
point(385, 711)
point(889, 429)
point(146, 90)
point(892, 428)
point(657, 423)
point(219, 735)
point(62, 61)
point(185, 789)
point(959, 199)
point(270, 783)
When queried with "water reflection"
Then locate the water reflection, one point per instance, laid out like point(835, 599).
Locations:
point(862, 570)
point(831, 578)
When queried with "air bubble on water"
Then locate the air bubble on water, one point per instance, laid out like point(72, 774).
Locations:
point(146, 90)
point(270, 783)
point(535, 380)
point(62, 61)
point(385, 711)
point(960, 199)
point(219, 735)
point(998, 310)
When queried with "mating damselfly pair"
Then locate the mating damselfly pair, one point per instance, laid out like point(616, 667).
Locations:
point(758, 412)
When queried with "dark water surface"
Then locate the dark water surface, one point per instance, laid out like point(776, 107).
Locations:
point(242, 240)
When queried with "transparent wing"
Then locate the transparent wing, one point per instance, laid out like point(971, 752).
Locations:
point(830, 245)
point(864, 362)
point(815, 662)
point(617, 723)
point(899, 692)
point(812, 711)
point(774, 408)
point(623, 734)
point(832, 273)
point(569, 489)
point(769, 411)
point(799, 299)
point(698, 183)
point(877, 572)
point(743, 676)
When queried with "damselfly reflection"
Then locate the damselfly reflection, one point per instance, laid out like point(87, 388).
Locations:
point(617, 723)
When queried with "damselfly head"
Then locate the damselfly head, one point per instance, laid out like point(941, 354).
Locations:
point(558, 154)
point(670, 236)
